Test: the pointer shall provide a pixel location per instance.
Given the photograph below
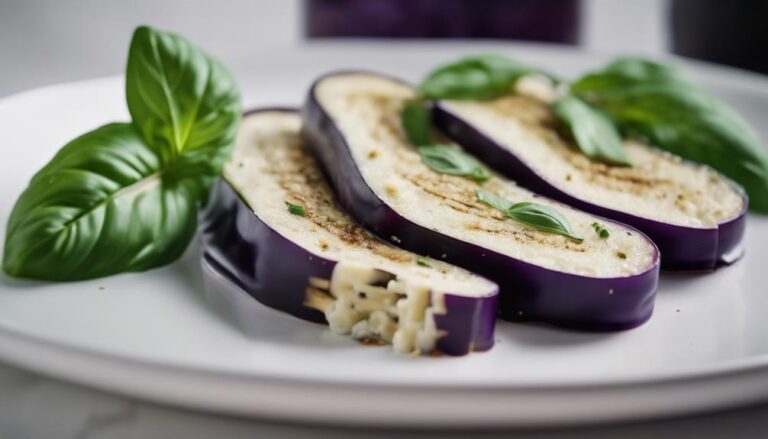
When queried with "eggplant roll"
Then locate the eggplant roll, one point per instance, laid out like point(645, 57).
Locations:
point(274, 228)
point(352, 121)
point(696, 216)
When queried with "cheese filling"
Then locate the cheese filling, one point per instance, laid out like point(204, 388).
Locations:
point(377, 292)
point(367, 108)
point(376, 306)
point(658, 185)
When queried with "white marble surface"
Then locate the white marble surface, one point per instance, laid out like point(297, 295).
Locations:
point(35, 407)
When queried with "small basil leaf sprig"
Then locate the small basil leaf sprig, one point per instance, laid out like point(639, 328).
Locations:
point(483, 76)
point(655, 103)
point(476, 77)
point(490, 76)
point(124, 196)
point(441, 158)
point(447, 159)
point(415, 118)
point(541, 217)
point(594, 132)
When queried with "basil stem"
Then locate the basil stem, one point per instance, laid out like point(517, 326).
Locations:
point(594, 133)
point(449, 160)
point(543, 218)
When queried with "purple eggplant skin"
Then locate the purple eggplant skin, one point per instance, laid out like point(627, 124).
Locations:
point(528, 292)
point(682, 248)
point(275, 271)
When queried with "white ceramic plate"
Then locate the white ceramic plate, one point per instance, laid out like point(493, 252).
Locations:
point(154, 336)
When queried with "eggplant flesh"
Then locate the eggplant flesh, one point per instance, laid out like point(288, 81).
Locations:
point(314, 262)
point(352, 121)
point(696, 216)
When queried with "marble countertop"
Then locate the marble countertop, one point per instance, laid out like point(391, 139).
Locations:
point(33, 406)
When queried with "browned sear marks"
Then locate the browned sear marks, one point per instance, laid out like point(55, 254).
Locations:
point(295, 170)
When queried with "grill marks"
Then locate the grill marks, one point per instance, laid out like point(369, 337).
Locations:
point(292, 167)
point(457, 193)
point(643, 179)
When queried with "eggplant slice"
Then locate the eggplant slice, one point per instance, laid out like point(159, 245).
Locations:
point(317, 264)
point(696, 216)
point(352, 120)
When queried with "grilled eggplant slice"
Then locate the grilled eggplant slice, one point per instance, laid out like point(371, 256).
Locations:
point(696, 216)
point(273, 227)
point(352, 121)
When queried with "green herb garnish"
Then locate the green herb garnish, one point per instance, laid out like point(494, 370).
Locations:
point(594, 132)
point(124, 197)
point(296, 209)
point(541, 217)
point(484, 76)
point(656, 103)
point(416, 123)
point(601, 230)
point(423, 262)
point(449, 160)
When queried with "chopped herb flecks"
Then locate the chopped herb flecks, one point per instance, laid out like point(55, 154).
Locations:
point(295, 209)
point(423, 262)
point(601, 230)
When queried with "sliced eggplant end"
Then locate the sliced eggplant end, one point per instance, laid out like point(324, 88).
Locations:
point(373, 305)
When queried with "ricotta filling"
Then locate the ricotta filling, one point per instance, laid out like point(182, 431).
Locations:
point(366, 108)
point(377, 292)
point(658, 185)
point(376, 306)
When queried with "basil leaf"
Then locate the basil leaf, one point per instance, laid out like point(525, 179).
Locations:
point(185, 103)
point(449, 160)
point(493, 200)
point(416, 123)
point(481, 77)
point(124, 197)
point(543, 218)
point(594, 132)
point(688, 122)
point(100, 207)
point(627, 71)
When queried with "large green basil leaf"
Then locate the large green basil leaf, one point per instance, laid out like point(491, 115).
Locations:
point(627, 71)
point(481, 77)
point(102, 206)
point(688, 122)
point(124, 197)
point(185, 103)
point(594, 132)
